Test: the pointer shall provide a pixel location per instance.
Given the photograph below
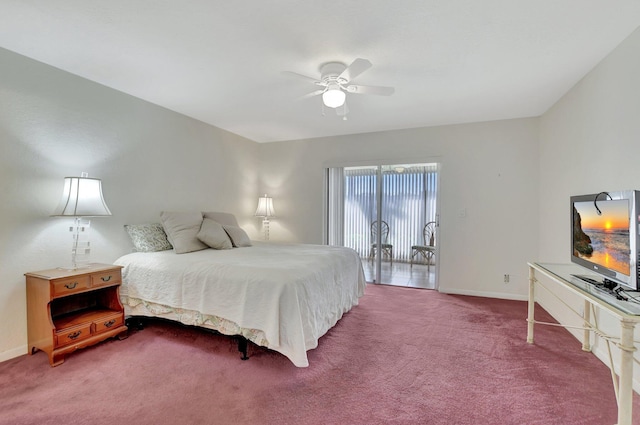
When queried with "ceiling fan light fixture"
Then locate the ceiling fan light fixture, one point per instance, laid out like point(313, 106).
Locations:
point(333, 97)
point(336, 81)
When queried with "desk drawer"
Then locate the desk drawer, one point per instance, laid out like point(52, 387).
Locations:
point(108, 323)
point(64, 287)
point(71, 335)
point(111, 277)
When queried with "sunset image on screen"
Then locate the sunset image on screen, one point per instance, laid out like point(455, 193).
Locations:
point(615, 215)
point(608, 233)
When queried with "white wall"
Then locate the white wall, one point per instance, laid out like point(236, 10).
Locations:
point(54, 124)
point(489, 169)
point(589, 142)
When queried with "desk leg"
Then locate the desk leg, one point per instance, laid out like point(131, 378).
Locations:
point(626, 372)
point(586, 316)
point(532, 305)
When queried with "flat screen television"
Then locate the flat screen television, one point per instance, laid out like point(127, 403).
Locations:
point(604, 237)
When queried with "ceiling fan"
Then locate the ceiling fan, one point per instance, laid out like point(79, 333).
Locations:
point(336, 81)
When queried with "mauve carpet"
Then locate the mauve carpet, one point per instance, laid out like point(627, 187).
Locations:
point(403, 356)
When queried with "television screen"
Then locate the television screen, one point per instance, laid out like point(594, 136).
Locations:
point(603, 238)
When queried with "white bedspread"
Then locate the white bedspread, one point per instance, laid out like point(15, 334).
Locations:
point(292, 293)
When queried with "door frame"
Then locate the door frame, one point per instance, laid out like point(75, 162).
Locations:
point(437, 160)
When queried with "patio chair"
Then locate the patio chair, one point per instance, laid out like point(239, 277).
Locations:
point(386, 247)
point(428, 248)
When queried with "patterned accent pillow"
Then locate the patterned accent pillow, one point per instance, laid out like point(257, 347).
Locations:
point(148, 237)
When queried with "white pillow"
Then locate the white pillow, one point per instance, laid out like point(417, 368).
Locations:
point(182, 229)
point(238, 236)
point(212, 233)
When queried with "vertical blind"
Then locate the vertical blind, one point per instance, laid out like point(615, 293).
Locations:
point(408, 203)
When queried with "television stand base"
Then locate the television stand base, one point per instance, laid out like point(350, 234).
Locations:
point(627, 315)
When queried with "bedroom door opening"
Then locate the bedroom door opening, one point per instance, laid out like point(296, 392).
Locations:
point(400, 248)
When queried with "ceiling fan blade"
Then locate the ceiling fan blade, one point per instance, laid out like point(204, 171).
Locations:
point(377, 90)
point(356, 68)
point(302, 77)
point(313, 93)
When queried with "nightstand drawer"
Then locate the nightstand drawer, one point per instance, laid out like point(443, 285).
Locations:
point(108, 323)
point(69, 286)
point(71, 335)
point(110, 277)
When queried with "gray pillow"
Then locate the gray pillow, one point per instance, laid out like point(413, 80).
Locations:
point(212, 233)
point(182, 230)
point(226, 219)
point(148, 237)
point(238, 236)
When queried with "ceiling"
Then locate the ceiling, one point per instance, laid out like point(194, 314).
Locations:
point(222, 62)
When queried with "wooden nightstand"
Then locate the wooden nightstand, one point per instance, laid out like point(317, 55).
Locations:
point(72, 309)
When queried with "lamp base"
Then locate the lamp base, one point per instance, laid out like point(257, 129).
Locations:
point(265, 226)
point(81, 248)
point(71, 268)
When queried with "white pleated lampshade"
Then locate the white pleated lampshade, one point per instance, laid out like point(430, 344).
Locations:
point(265, 207)
point(82, 197)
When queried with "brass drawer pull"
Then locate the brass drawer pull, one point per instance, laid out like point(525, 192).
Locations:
point(71, 285)
point(106, 278)
point(74, 335)
point(110, 323)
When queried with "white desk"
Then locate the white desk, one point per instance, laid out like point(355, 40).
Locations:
point(628, 313)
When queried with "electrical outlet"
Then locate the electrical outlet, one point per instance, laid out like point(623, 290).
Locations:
point(506, 278)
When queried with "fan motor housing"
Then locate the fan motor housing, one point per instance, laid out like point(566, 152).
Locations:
point(331, 70)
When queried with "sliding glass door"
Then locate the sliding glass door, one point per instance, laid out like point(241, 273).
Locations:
point(404, 197)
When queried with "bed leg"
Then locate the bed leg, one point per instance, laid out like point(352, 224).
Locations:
point(242, 347)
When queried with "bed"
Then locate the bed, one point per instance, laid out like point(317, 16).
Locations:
point(280, 296)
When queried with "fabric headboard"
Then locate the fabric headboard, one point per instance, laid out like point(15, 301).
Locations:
point(223, 218)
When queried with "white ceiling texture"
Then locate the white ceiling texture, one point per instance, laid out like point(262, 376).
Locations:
point(222, 62)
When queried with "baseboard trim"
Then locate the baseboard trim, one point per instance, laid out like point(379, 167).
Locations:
point(500, 295)
point(11, 354)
